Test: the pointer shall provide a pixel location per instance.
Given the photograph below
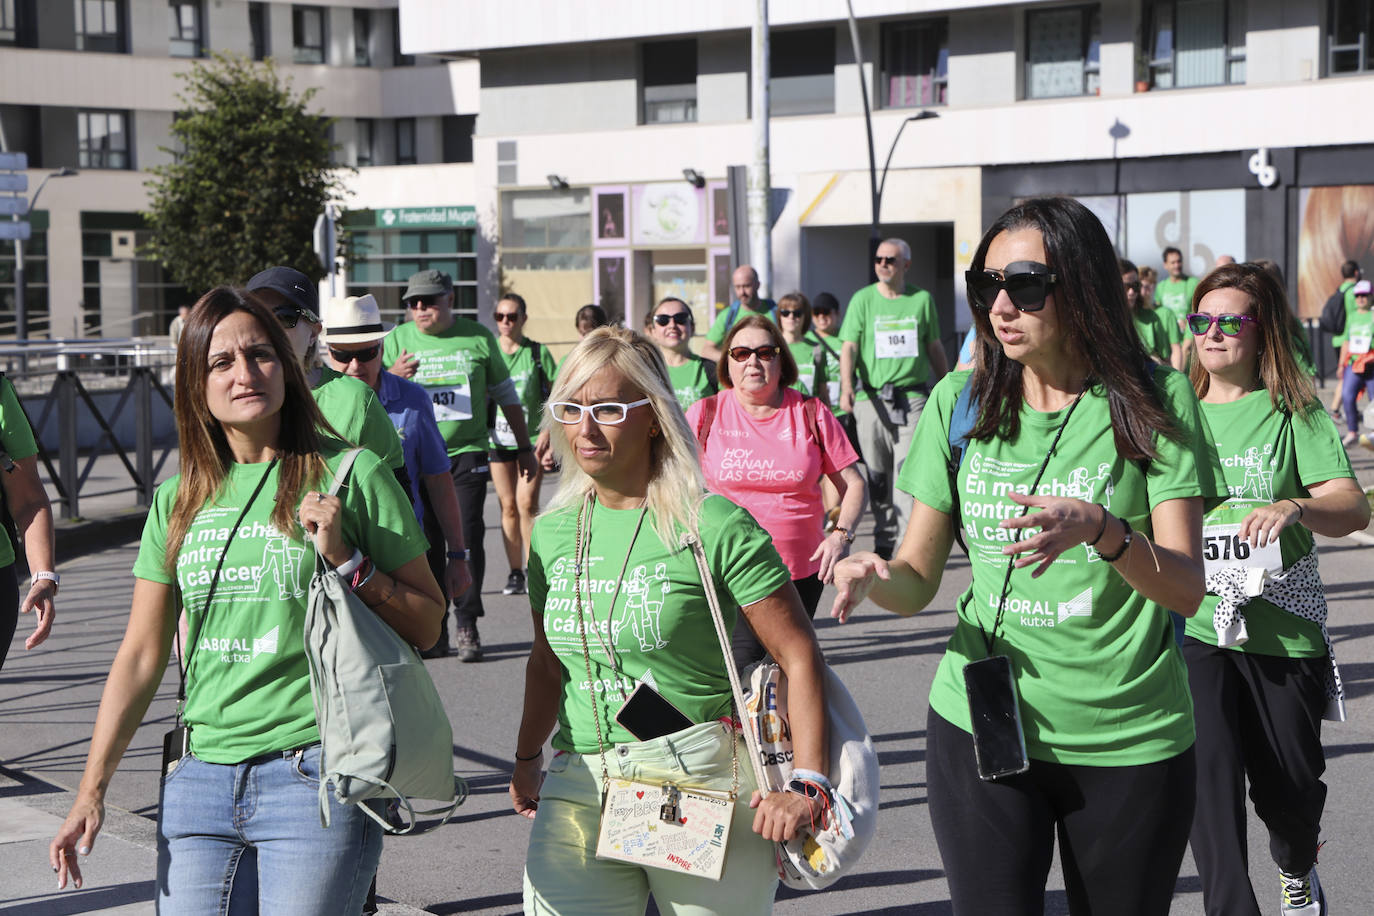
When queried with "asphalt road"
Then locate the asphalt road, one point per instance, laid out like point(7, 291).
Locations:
point(48, 700)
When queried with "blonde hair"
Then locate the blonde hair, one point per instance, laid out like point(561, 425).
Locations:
point(676, 484)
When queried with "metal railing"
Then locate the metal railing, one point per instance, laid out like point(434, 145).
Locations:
point(67, 376)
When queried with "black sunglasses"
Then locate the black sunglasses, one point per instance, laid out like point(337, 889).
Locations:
point(821, 311)
point(791, 313)
point(287, 316)
point(504, 317)
point(682, 318)
point(362, 356)
point(1027, 289)
point(766, 353)
point(423, 302)
point(886, 262)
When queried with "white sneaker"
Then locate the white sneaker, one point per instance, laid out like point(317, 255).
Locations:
point(1301, 894)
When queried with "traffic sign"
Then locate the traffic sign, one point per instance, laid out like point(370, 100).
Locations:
point(13, 206)
point(16, 182)
point(14, 230)
point(14, 162)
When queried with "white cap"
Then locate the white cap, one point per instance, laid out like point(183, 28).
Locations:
point(356, 319)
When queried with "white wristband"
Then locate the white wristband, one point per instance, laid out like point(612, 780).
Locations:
point(347, 569)
point(52, 577)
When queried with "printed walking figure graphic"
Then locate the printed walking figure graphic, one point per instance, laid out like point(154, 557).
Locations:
point(641, 613)
point(1258, 483)
point(283, 559)
point(1083, 487)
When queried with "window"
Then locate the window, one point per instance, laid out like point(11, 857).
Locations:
point(382, 255)
point(365, 131)
point(670, 81)
point(405, 141)
point(257, 31)
point(9, 23)
point(506, 162)
point(362, 38)
point(1196, 43)
point(100, 25)
point(307, 34)
point(802, 72)
point(1348, 40)
point(1062, 51)
point(458, 131)
point(398, 59)
point(102, 140)
point(184, 21)
point(915, 71)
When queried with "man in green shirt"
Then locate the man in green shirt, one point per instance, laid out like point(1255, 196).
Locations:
point(891, 355)
point(1175, 294)
point(458, 362)
point(745, 283)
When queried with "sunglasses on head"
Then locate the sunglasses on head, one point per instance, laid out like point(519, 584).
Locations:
point(791, 313)
point(885, 261)
point(1229, 325)
point(504, 317)
point(682, 318)
point(363, 356)
point(1026, 283)
point(766, 353)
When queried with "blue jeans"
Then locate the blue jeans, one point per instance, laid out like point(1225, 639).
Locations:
point(239, 839)
point(1351, 383)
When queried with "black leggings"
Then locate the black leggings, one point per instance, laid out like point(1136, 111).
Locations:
point(745, 646)
point(9, 608)
point(1122, 830)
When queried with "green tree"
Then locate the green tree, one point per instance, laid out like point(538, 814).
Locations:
point(252, 173)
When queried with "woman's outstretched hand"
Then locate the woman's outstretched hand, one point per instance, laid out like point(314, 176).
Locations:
point(855, 577)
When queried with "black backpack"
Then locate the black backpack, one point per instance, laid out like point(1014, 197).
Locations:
point(1332, 320)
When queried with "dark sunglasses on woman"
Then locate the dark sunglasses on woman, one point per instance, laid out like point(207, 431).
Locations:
point(1027, 289)
point(682, 318)
point(504, 317)
point(791, 313)
point(766, 353)
point(1229, 325)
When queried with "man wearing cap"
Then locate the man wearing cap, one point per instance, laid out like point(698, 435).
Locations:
point(351, 407)
point(744, 282)
point(353, 334)
point(458, 363)
point(891, 357)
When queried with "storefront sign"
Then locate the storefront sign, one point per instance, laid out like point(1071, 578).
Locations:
point(416, 217)
point(668, 214)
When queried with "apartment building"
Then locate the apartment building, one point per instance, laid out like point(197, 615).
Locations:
point(91, 85)
point(1214, 126)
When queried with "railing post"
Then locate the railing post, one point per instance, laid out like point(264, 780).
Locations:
point(143, 433)
point(66, 444)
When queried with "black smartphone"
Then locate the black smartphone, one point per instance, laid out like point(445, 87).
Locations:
point(999, 744)
point(646, 715)
point(175, 745)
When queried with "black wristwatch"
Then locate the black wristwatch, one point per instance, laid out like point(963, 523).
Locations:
point(457, 554)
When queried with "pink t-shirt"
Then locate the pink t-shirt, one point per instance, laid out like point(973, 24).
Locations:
point(772, 468)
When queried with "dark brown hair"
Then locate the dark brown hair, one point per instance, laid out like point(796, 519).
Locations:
point(205, 454)
point(797, 300)
point(1289, 387)
point(1091, 307)
point(789, 364)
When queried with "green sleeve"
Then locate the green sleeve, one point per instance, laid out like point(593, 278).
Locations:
point(740, 553)
point(379, 434)
point(151, 548)
point(716, 332)
point(925, 473)
point(497, 371)
point(550, 367)
point(15, 434)
point(392, 346)
point(380, 522)
point(1321, 457)
point(931, 320)
point(852, 328)
point(1190, 467)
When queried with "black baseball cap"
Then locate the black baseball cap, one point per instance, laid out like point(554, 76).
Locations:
point(298, 289)
point(825, 302)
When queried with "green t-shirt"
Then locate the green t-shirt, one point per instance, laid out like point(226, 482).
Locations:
point(659, 627)
point(804, 352)
point(1100, 678)
point(1153, 335)
point(16, 438)
point(1172, 321)
point(457, 366)
point(693, 380)
point(520, 365)
point(248, 688)
point(1267, 456)
point(1359, 329)
point(1348, 288)
point(724, 319)
point(352, 408)
point(892, 336)
point(830, 346)
point(1176, 295)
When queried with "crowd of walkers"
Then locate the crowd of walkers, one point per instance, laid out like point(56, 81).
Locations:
point(1144, 633)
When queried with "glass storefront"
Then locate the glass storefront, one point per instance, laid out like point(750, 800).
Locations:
point(386, 246)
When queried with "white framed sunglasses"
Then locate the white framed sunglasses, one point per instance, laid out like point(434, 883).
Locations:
point(607, 413)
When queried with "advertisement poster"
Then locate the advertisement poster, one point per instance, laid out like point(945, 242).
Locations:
point(668, 214)
point(1336, 224)
point(1201, 224)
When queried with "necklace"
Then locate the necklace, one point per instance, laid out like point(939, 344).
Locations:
point(583, 538)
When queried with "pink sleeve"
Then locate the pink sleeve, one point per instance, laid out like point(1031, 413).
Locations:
point(837, 452)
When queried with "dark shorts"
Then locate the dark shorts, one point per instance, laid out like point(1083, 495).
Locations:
point(501, 455)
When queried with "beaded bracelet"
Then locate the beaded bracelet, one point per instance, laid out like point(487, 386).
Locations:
point(1101, 529)
point(1125, 543)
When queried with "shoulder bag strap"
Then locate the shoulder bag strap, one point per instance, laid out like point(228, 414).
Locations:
point(809, 408)
point(704, 421)
point(340, 478)
point(708, 586)
point(184, 665)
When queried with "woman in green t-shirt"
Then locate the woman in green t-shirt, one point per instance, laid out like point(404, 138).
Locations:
point(671, 326)
point(619, 608)
point(1065, 626)
point(1259, 665)
point(228, 542)
point(30, 514)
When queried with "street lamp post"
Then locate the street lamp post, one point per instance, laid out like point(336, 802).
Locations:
point(21, 306)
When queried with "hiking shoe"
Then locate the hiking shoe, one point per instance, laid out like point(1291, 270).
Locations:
point(515, 583)
point(1302, 894)
point(440, 649)
point(469, 644)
